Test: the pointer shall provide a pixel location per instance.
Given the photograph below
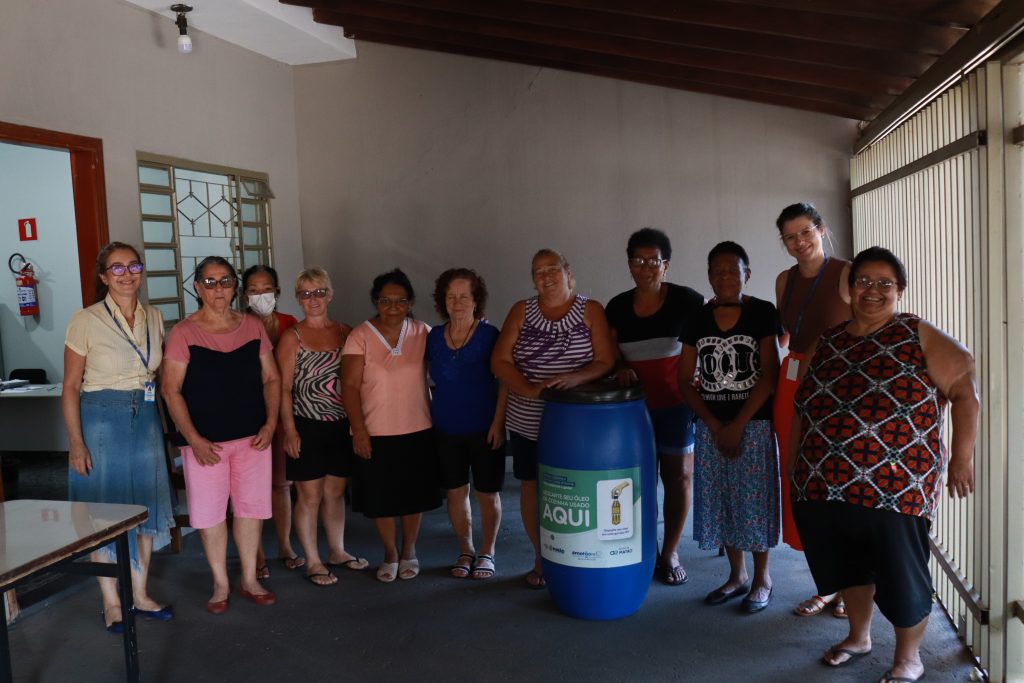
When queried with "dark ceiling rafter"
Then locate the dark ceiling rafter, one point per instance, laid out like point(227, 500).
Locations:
point(801, 24)
point(385, 18)
point(850, 58)
point(827, 53)
point(751, 95)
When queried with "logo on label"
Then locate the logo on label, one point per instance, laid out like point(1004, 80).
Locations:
point(729, 364)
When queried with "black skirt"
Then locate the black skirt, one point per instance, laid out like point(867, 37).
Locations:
point(400, 478)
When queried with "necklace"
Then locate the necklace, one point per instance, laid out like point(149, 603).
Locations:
point(458, 347)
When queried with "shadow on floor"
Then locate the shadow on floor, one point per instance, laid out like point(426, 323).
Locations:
point(435, 628)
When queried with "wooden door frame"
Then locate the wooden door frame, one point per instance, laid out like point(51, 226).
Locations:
point(88, 186)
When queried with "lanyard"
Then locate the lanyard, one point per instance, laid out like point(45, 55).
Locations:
point(807, 299)
point(144, 359)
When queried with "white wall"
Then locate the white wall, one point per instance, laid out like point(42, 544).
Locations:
point(36, 183)
point(106, 69)
point(425, 161)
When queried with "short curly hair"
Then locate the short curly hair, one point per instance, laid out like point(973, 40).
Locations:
point(476, 285)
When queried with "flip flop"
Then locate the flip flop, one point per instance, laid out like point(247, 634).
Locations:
point(408, 569)
point(356, 564)
point(387, 572)
point(262, 572)
point(460, 569)
point(811, 607)
point(673, 576)
point(535, 581)
point(850, 656)
point(483, 568)
point(312, 578)
point(294, 562)
point(887, 677)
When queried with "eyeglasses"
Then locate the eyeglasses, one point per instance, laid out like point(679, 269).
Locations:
point(226, 282)
point(864, 283)
point(119, 269)
point(385, 302)
point(802, 236)
point(641, 262)
point(319, 293)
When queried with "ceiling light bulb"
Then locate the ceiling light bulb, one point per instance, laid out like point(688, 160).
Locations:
point(184, 44)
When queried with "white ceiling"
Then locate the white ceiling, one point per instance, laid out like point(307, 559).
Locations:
point(282, 32)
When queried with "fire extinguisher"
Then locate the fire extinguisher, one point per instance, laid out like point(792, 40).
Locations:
point(25, 283)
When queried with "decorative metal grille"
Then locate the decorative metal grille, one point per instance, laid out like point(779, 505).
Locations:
point(191, 211)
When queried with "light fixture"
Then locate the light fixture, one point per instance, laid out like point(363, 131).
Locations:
point(184, 42)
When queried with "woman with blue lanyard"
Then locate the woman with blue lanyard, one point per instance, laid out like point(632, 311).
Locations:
point(115, 445)
point(812, 296)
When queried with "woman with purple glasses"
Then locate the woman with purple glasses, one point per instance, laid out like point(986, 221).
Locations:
point(115, 445)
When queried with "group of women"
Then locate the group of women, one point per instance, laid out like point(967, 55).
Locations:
point(260, 400)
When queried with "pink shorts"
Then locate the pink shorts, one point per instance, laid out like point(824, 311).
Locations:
point(243, 474)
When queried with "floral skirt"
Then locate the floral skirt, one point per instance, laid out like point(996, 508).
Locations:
point(736, 500)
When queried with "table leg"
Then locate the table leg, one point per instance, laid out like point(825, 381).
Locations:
point(6, 675)
point(124, 586)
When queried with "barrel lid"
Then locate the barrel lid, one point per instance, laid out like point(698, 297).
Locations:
point(595, 392)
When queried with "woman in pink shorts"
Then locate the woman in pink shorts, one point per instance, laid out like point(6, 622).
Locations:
point(222, 389)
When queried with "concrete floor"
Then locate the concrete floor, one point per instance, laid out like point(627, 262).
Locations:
point(436, 628)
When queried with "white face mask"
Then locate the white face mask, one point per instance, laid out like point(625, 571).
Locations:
point(262, 304)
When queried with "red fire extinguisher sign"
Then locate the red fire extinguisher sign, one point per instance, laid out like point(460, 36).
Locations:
point(27, 229)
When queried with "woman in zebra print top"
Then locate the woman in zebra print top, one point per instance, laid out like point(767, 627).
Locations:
point(315, 428)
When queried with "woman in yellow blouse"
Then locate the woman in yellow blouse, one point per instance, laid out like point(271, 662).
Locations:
point(111, 353)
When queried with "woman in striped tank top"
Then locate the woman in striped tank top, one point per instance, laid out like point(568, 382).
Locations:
point(556, 339)
point(316, 430)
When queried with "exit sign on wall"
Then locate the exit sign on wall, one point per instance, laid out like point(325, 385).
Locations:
point(27, 229)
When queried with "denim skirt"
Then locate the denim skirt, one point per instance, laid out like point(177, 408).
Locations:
point(122, 432)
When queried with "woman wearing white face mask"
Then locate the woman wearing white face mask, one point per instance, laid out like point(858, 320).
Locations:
point(260, 285)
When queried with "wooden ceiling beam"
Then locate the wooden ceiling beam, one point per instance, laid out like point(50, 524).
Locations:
point(414, 23)
point(995, 32)
point(897, 63)
point(790, 102)
point(799, 24)
point(954, 13)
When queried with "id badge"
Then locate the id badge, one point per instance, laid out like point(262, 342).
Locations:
point(150, 392)
point(793, 369)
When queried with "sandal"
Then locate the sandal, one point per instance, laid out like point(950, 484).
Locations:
point(810, 607)
point(330, 578)
point(262, 572)
point(294, 562)
point(830, 655)
point(483, 568)
point(460, 569)
point(387, 572)
point(839, 609)
point(534, 580)
point(673, 576)
point(356, 564)
point(408, 569)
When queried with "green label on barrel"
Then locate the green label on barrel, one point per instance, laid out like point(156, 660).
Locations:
point(590, 518)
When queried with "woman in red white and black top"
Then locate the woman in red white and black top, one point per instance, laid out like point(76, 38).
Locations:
point(647, 323)
point(868, 461)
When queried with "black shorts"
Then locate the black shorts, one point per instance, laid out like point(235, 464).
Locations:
point(326, 449)
point(524, 456)
point(400, 478)
point(851, 545)
point(461, 453)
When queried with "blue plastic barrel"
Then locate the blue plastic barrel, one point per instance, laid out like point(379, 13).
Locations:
point(597, 500)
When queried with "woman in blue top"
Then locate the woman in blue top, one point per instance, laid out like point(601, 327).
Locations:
point(468, 411)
